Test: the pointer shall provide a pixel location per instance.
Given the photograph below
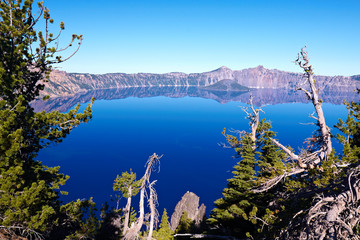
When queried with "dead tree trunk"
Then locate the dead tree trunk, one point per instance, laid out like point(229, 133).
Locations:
point(127, 212)
point(336, 213)
point(331, 217)
point(154, 216)
point(307, 160)
point(253, 116)
point(135, 228)
point(313, 95)
point(310, 160)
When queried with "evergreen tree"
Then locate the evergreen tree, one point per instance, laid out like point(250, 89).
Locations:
point(270, 160)
point(129, 187)
point(310, 195)
point(29, 190)
point(350, 137)
point(126, 184)
point(164, 232)
point(186, 225)
point(241, 212)
point(233, 211)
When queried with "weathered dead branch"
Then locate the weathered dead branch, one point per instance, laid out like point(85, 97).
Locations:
point(253, 116)
point(274, 181)
point(133, 231)
point(127, 211)
point(25, 232)
point(154, 215)
point(313, 95)
point(333, 216)
point(306, 160)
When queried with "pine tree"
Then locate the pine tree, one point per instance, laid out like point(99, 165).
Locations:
point(270, 160)
point(234, 210)
point(186, 225)
point(241, 212)
point(350, 129)
point(129, 187)
point(310, 195)
point(29, 190)
point(164, 232)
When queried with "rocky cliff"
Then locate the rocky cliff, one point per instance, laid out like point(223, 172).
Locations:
point(63, 84)
point(189, 203)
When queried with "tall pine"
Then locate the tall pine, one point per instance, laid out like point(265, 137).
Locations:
point(29, 190)
point(241, 212)
point(164, 232)
point(233, 212)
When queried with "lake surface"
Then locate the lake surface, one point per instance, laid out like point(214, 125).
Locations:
point(186, 128)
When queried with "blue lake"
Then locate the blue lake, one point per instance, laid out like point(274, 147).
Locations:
point(125, 132)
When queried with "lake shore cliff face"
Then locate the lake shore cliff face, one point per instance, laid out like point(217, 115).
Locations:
point(64, 84)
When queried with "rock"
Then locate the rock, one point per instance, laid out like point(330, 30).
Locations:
point(226, 85)
point(189, 203)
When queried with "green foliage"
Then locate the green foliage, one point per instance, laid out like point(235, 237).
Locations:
point(186, 225)
point(132, 217)
point(327, 173)
point(250, 215)
point(129, 187)
point(164, 232)
point(77, 220)
point(241, 212)
point(29, 190)
point(123, 184)
point(232, 211)
point(271, 158)
point(350, 130)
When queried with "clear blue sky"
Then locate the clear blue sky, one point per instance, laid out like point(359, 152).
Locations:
point(201, 35)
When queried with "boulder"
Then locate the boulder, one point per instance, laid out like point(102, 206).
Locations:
point(189, 203)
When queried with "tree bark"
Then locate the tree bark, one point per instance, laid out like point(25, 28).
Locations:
point(254, 120)
point(135, 228)
point(313, 95)
point(333, 217)
point(309, 160)
point(127, 212)
point(153, 212)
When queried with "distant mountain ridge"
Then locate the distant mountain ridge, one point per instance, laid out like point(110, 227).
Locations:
point(63, 84)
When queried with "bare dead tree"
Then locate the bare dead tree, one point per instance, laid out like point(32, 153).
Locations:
point(154, 215)
point(334, 214)
point(133, 231)
point(253, 116)
point(127, 211)
point(306, 160)
point(313, 95)
point(331, 217)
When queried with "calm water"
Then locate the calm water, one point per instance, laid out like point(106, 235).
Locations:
point(187, 130)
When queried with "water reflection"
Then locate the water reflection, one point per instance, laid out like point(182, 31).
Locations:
point(124, 132)
point(261, 96)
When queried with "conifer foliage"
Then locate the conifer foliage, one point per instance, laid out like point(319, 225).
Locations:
point(29, 190)
point(241, 212)
point(164, 232)
point(276, 193)
point(129, 187)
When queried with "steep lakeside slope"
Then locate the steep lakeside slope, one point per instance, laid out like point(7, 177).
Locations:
point(63, 84)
